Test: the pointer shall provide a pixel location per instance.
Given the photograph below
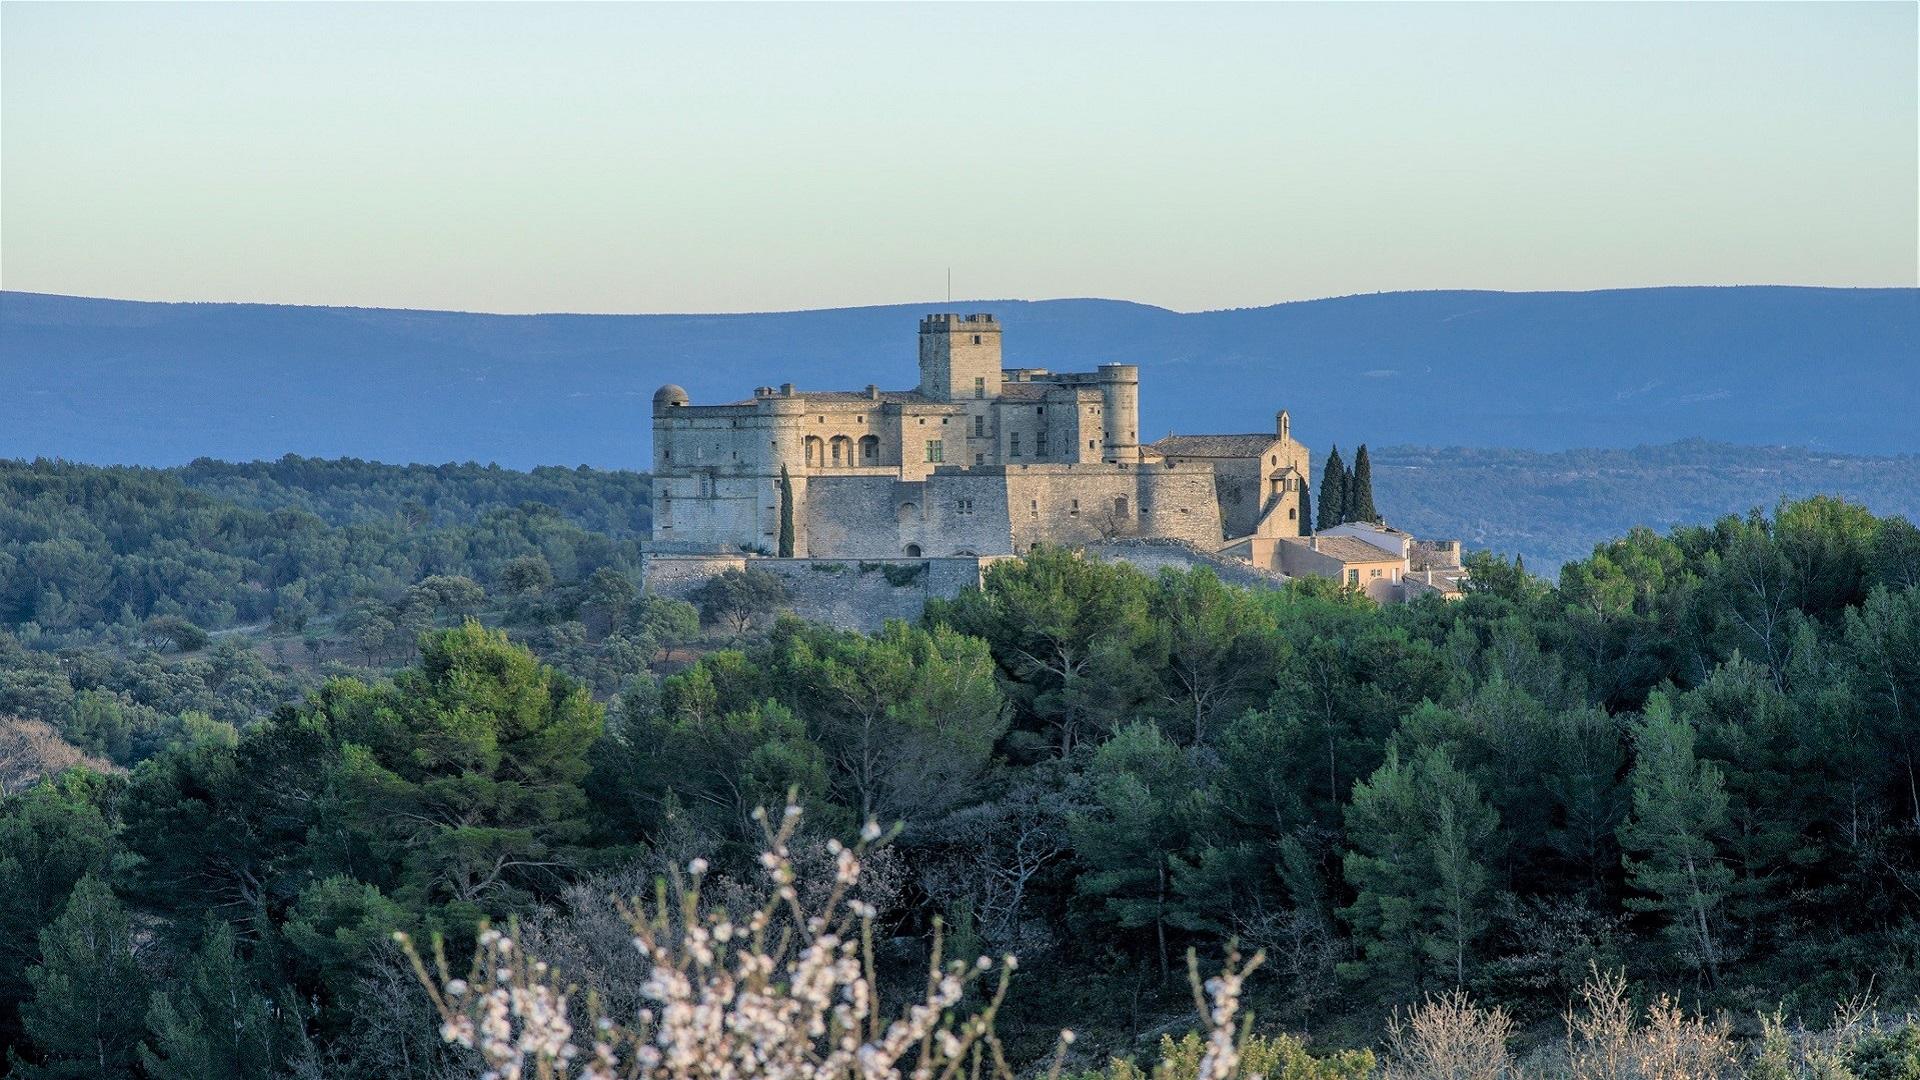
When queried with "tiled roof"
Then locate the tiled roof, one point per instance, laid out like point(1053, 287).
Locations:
point(1222, 446)
point(1024, 391)
point(1350, 549)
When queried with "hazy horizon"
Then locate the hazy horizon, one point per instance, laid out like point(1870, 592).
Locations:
point(742, 158)
point(943, 304)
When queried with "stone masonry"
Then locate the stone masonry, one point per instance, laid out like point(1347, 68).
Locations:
point(975, 461)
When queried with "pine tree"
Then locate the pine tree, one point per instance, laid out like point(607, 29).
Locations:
point(1360, 489)
point(1333, 491)
point(1422, 837)
point(1679, 803)
point(89, 993)
point(214, 1022)
point(786, 514)
point(1146, 800)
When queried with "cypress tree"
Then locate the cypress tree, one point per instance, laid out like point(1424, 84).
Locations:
point(786, 514)
point(1360, 489)
point(1306, 511)
point(1333, 491)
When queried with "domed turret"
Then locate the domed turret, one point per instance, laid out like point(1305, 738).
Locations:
point(669, 396)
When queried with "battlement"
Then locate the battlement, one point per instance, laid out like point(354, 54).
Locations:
point(948, 323)
point(978, 459)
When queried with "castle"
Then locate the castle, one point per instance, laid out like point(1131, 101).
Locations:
point(978, 460)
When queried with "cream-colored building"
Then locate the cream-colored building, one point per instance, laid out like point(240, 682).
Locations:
point(1387, 564)
point(977, 459)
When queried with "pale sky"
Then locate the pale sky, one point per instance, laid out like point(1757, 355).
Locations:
point(637, 158)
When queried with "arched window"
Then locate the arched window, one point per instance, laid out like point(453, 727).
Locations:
point(913, 551)
point(870, 449)
point(842, 450)
point(816, 450)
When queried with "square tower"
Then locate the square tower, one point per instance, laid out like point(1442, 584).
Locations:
point(960, 357)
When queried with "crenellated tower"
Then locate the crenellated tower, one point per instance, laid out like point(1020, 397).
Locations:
point(960, 357)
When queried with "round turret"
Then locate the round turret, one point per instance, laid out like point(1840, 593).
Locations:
point(669, 396)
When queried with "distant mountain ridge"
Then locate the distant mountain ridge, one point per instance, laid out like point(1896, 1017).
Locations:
point(158, 384)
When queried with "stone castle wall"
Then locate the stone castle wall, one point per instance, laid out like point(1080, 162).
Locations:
point(1152, 555)
point(850, 594)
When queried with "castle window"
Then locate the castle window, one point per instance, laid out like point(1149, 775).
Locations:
point(1120, 506)
point(1293, 513)
point(976, 339)
point(1089, 444)
point(965, 506)
point(1075, 511)
point(979, 459)
point(1033, 508)
point(1014, 444)
point(869, 448)
point(1041, 411)
point(979, 384)
point(936, 450)
point(979, 426)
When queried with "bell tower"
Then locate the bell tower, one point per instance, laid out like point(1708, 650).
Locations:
point(960, 357)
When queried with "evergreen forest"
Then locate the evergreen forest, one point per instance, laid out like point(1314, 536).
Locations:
point(256, 719)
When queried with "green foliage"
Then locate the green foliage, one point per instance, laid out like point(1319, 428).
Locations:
point(1695, 751)
point(51, 836)
point(1148, 800)
point(1422, 836)
point(1887, 1055)
point(1679, 806)
point(786, 514)
point(737, 599)
point(1333, 491)
point(215, 1020)
point(89, 993)
point(143, 555)
point(1359, 489)
point(468, 767)
point(1274, 1057)
point(899, 576)
point(1064, 632)
point(1552, 508)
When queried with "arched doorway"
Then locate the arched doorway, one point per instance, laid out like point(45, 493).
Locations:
point(913, 551)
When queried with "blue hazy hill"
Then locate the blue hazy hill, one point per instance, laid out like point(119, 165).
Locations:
point(158, 384)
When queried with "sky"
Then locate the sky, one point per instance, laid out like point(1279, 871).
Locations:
point(740, 157)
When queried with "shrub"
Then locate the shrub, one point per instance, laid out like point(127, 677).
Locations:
point(790, 992)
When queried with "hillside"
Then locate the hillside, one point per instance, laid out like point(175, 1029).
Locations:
point(160, 384)
point(1553, 508)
